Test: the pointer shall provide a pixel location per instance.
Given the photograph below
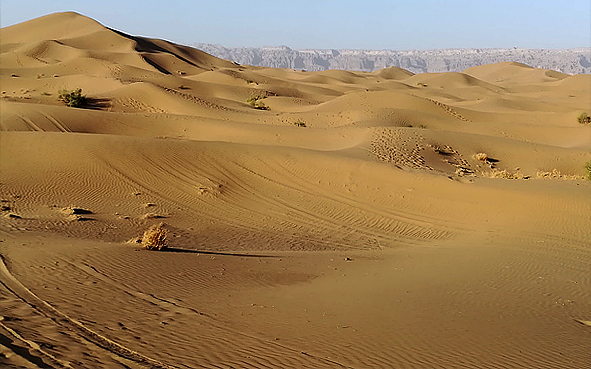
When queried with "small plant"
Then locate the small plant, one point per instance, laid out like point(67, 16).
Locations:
point(504, 174)
point(584, 118)
point(588, 169)
point(481, 157)
point(155, 237)
point(556, 174)
point(257, 103)
point(299, 123)
point(73, 99)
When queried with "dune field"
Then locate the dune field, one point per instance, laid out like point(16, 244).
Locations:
point(314, 219)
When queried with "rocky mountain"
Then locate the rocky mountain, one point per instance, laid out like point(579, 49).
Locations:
point(572, 61)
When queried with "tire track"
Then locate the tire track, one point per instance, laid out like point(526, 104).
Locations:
point(33, 346)
point(62, 319)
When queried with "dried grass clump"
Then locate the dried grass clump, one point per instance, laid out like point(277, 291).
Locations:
point(504, 174)
point(257, 103)
point(555, 174)
point(584, 118)
point(481, 157)
point(155, 237)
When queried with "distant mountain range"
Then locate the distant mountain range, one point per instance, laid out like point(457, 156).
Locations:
point(571, 61)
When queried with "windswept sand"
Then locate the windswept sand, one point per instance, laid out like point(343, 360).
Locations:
point(349, 225)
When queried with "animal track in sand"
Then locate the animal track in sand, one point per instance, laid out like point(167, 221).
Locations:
point(449, 110)
point(137, 105)
point(398, 147)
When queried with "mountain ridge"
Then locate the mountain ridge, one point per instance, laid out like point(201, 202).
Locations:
point(570, 61)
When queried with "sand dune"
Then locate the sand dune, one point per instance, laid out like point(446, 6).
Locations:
point(330, 219)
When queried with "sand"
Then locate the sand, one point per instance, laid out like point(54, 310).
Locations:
point(344, 220)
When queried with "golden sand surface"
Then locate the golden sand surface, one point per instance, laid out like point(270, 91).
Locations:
point(314, 219)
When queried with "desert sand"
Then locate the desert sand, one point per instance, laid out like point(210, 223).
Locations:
point(315, 220)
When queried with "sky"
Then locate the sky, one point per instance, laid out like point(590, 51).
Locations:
point(335, 24)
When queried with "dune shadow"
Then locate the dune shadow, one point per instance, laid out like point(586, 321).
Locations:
point(186, 251)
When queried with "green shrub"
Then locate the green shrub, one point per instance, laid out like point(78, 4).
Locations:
point(588, 169)
point(256, 102)
point(584, 118)
point(73, 98)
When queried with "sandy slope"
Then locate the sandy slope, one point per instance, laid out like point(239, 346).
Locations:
point(348, 225)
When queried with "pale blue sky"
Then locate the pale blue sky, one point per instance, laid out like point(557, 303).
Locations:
point(373, 24)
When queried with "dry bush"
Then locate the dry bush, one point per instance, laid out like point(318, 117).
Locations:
point(155, 237)
point(555, 174)
point(584, 118)
point(588, 169)
point(257, 103)
point(481, 157)
point(504, 174)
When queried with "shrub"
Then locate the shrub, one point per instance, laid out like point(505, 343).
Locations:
point(504, 174)
point(255, 102)
point(155, 237)
point(299, 123)
point(481, 157)
point(584, 118)
point(73, 98)
point(556, 174)
point(588, 169)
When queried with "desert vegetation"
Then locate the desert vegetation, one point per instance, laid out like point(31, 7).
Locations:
point(72, 98)
point(362, 211)
point(256, 102)
point(481, 157)
point(584, 118)
point(155, 237)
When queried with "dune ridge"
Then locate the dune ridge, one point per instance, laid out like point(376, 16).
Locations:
point(315, 219)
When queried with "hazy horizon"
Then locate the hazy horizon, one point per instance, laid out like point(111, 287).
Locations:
point(328, 24)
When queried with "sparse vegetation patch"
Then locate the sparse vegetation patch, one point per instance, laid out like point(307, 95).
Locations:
point(155, 237)
point(481, 157)
point(257, 103)
point(504, 174)
point(556, 174)
point(73, 98)
point(584, 118)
